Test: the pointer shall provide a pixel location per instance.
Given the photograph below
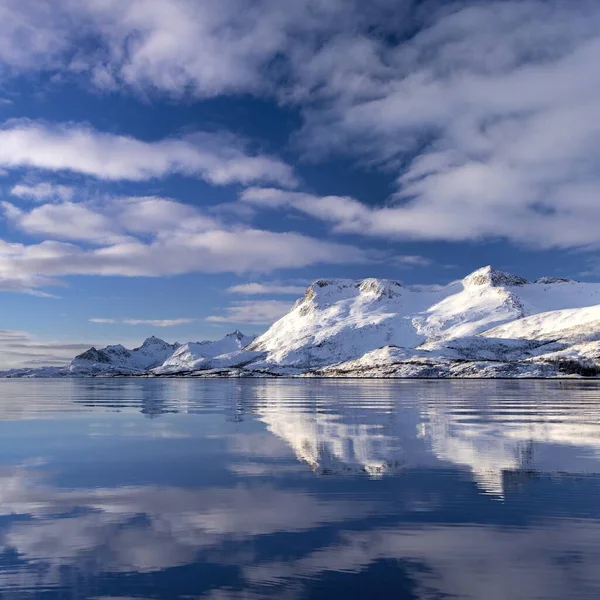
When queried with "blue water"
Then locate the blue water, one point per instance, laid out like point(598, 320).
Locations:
point(292, 489)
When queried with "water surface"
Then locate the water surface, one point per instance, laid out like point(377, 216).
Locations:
point(244, 489)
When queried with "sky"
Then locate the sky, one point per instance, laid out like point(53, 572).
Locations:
point(184, 168)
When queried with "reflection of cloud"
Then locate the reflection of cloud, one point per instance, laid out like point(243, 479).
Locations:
point(357, 426)
point(149, 528)
point(256, 469)
point(342, 426)
point(263, 445)
point(469, 562)
point(145, 430)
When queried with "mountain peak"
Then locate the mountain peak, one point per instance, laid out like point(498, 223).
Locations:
point(153, 341)
point(493, 277)
point(379, 288)
point(237, 334)
point(93, 355)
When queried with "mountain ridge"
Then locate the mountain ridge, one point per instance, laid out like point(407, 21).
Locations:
point(488, 324)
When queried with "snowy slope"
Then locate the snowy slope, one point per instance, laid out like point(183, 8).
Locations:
point(339, 320)
point(566, 324)
point(194, 355)
point(344, 320)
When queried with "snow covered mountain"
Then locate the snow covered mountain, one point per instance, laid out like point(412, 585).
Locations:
point(152, 353)
point(195, 355)
point(489, 324)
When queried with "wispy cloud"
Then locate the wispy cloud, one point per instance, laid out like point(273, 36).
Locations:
point(346, 215)
point(263, 312)
point(182, 47)
point(262, 289)
point(411, 260)
point(40, 192)
point(151, 322)
point(219, 158)
point(21, 348)
point(149, 237)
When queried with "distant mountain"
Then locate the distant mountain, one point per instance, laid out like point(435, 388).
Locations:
point(489, 324)
point(195, 355)
point(152, 353)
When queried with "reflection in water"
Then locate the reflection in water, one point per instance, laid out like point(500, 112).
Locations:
point(299, 488)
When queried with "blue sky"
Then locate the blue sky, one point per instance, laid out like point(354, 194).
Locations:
point(184, 168)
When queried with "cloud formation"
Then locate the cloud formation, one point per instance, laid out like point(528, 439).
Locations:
point(74, 527)
point(180, 47)
point(148, 237)
point(261, 289)
point(20, 348)
point(40, 192)
point(219, 158)
point(151, 322)
point(486, 113)
point(263, 312)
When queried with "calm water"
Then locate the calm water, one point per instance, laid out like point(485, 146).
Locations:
point(243, 489)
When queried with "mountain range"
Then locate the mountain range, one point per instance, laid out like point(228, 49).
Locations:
point(489, 324)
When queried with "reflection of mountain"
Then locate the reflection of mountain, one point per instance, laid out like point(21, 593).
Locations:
point(491, 428)
point(330, 431)
point(331, 443)
point(502, 428)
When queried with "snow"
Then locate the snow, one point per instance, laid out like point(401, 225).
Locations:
point(488, 324)
point(343, 320)
point(152, 353)
point(193, 355)
point(553, 325)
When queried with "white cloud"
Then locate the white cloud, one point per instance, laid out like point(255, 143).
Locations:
point(158, 322)
point(178, 47)
point(346, 214)
point(411, 260)
point(42, 191)
point(67, 220)
point(148, 236)
point(218, 158)
point(109, 219)
point(152, 322)
point(261, 289)
point(20, 348)
point(33, 35)
point(494, 106)
point(263, 312)
point(488, 114)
